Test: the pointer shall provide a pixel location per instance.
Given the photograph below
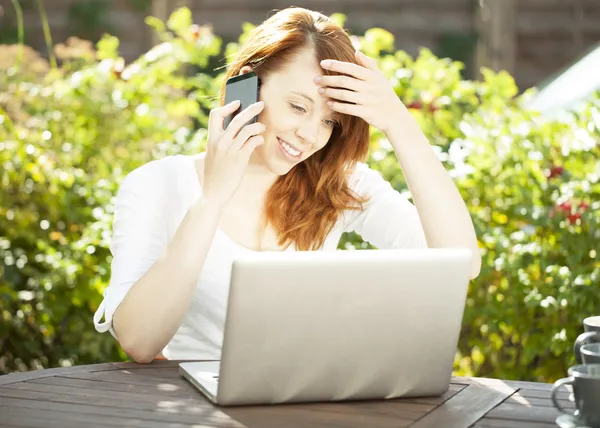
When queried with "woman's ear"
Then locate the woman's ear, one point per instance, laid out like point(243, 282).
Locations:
point(245, 69)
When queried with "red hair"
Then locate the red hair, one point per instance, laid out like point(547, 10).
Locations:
point(304, 205)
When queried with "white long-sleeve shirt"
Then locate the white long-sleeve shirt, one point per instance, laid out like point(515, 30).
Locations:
point(152, 202)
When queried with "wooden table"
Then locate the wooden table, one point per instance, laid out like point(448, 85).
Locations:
point(155, 395)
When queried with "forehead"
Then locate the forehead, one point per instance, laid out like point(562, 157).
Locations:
point(300, 68)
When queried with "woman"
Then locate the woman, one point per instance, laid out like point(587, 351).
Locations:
point(291, 181)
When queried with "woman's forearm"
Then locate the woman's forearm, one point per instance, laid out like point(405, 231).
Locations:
point(443, 213)
point(154, 307)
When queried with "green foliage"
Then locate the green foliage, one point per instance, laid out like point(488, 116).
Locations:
point(69, 136)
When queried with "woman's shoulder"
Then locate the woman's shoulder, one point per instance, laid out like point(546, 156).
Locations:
point(162, 176)
point(162, 168)
point(363, 179)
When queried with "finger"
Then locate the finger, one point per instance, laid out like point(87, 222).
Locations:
point(349, 68)
point(341, 94)
point(366, 61)
point(243, 117)
point(246, 133)
point(250, 145)
point(217, 115)
point(345, 82)
point(351, 109)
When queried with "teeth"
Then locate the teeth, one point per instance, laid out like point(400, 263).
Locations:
point(289, 149)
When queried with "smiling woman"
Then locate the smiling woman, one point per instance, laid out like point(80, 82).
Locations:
point(293, 180)
point(307, 143)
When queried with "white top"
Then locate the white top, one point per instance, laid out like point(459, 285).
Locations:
point(153, 200)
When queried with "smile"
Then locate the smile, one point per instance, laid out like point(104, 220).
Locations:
point(289, 150)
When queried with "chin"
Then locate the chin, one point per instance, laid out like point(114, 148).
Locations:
point(278, 168)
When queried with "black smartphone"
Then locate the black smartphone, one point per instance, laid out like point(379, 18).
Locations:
point(244, 88)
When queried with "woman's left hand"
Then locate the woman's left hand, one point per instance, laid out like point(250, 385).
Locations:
point(365, 92)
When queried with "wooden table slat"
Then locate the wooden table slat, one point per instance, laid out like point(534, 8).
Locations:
point(562, 394)
point(170, 389)
point(193, 406)
point(36, 374)
point(127, 378)
point(154, 365)
point(6, 425)
point(537, 402)
point(516, 384)
point(505, 423)
point(524, 413)
point(150, 415)
point(52, 417)
point(466, 408)
point(19, 421)
point(96, 392)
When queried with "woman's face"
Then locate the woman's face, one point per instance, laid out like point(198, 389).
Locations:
point(297, 118)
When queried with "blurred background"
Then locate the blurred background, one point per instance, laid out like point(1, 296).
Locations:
point(531, 39)
point(505, 90)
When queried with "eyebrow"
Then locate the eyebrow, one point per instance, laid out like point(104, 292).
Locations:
point(304, 96)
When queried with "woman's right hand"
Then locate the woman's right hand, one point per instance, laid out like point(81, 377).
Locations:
point(228, 150)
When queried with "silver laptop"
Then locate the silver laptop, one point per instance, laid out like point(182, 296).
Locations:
point(342, 325)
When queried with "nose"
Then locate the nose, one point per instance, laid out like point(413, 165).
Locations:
point(308, 132)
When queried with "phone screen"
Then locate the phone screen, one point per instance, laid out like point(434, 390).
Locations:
point(243, 88)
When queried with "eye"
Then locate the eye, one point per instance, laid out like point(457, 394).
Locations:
point(330, 122)
point(298, 108)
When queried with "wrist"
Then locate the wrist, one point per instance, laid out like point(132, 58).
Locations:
point(405, 131)
point(398, 116)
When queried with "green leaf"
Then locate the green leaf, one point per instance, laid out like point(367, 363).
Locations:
point(108, 47)
point(180, 20)
point(247, 28)
point(500, 84)
point(156, 23)
point(378, 40)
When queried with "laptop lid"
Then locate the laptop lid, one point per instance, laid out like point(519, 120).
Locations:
point(342, 325)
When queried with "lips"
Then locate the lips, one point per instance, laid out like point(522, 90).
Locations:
point(287, 148)
point(291, 145)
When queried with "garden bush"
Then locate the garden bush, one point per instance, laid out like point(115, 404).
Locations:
point(69, 134)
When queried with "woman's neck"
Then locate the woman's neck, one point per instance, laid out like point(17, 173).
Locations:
point(257, 180)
